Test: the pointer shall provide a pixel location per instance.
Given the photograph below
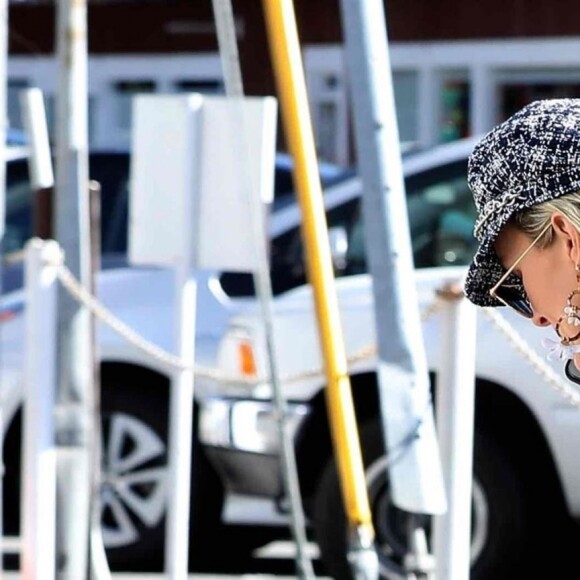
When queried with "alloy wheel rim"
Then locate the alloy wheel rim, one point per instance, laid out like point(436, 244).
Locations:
point(133, 481)
point(389, 519)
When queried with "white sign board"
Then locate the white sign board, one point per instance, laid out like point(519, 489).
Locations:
point(199, 166)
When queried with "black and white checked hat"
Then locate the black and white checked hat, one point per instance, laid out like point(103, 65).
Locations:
point(532, 157)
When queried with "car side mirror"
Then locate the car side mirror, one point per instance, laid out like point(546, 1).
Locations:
point(338, 241)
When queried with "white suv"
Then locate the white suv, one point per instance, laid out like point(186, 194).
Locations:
point(526, 470)
point(134, 385)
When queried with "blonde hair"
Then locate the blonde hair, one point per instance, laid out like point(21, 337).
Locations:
point(532, 220)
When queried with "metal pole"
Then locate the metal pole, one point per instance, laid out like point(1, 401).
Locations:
point(455, 415)
point(99, 566)
point(234, 87)
point(73, 411)
point(181, 403)
point(287, 60)
point(416, 478)
point(4, 121)
point(3, 127)
point(39, 465)
point(39, 161)
point(180, 424)
point(34, 117)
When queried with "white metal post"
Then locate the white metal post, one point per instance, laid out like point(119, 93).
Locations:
point(4, 121)
point(405, 398)
point(224, 16)
point(4, 31)
point(455, 414)
point(184, 138)
point(74, 403)
point(39, 465)
point(182, 385)
point(34, 117)
point(180, 427)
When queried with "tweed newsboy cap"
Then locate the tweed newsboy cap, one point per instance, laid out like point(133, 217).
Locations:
point(532, 157)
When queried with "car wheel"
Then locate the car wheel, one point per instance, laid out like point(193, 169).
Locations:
point(11, 488)
point(499, 534)
point(135, 471)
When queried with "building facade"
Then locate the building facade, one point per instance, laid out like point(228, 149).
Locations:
point(458, 68)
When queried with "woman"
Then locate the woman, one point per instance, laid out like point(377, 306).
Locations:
point(525, 179)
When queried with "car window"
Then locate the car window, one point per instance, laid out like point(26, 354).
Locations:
point(284, 196)
point(18, 226)
point(287, 265)
point(109, 169)
point(441, 216)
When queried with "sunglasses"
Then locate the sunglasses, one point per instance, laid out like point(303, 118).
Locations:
point(511, 294)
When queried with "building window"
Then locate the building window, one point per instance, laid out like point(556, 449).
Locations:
point(205, 86)
point(14, 110)
point(327, 119)
point(514, 97)
point(125, 91)
point(454, 122)
point(405, 91)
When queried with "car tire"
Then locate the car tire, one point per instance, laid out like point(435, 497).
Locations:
point(499, 538)
point(135, 409)
point(11, 487)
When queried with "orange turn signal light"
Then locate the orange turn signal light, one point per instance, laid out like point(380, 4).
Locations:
point(247, 363)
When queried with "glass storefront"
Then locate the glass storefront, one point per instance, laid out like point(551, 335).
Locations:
point(454, 123)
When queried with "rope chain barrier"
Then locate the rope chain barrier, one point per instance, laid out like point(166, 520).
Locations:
point(568, 392)
point(72, 285)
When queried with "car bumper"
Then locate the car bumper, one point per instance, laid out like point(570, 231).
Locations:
point(242, 440)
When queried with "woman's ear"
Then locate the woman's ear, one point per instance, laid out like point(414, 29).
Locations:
point(569, 235)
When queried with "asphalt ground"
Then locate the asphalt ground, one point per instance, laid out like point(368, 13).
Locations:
point(554, 557)
point(275, 559)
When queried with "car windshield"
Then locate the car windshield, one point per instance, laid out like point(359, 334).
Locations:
point(284, 191)
point(111, 170)
point(441, 217)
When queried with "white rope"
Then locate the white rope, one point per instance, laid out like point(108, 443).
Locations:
point(70, 283)
point(125, 331)
point(569, 393)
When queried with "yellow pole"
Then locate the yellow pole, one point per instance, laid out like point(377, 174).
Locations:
point(287, 61)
